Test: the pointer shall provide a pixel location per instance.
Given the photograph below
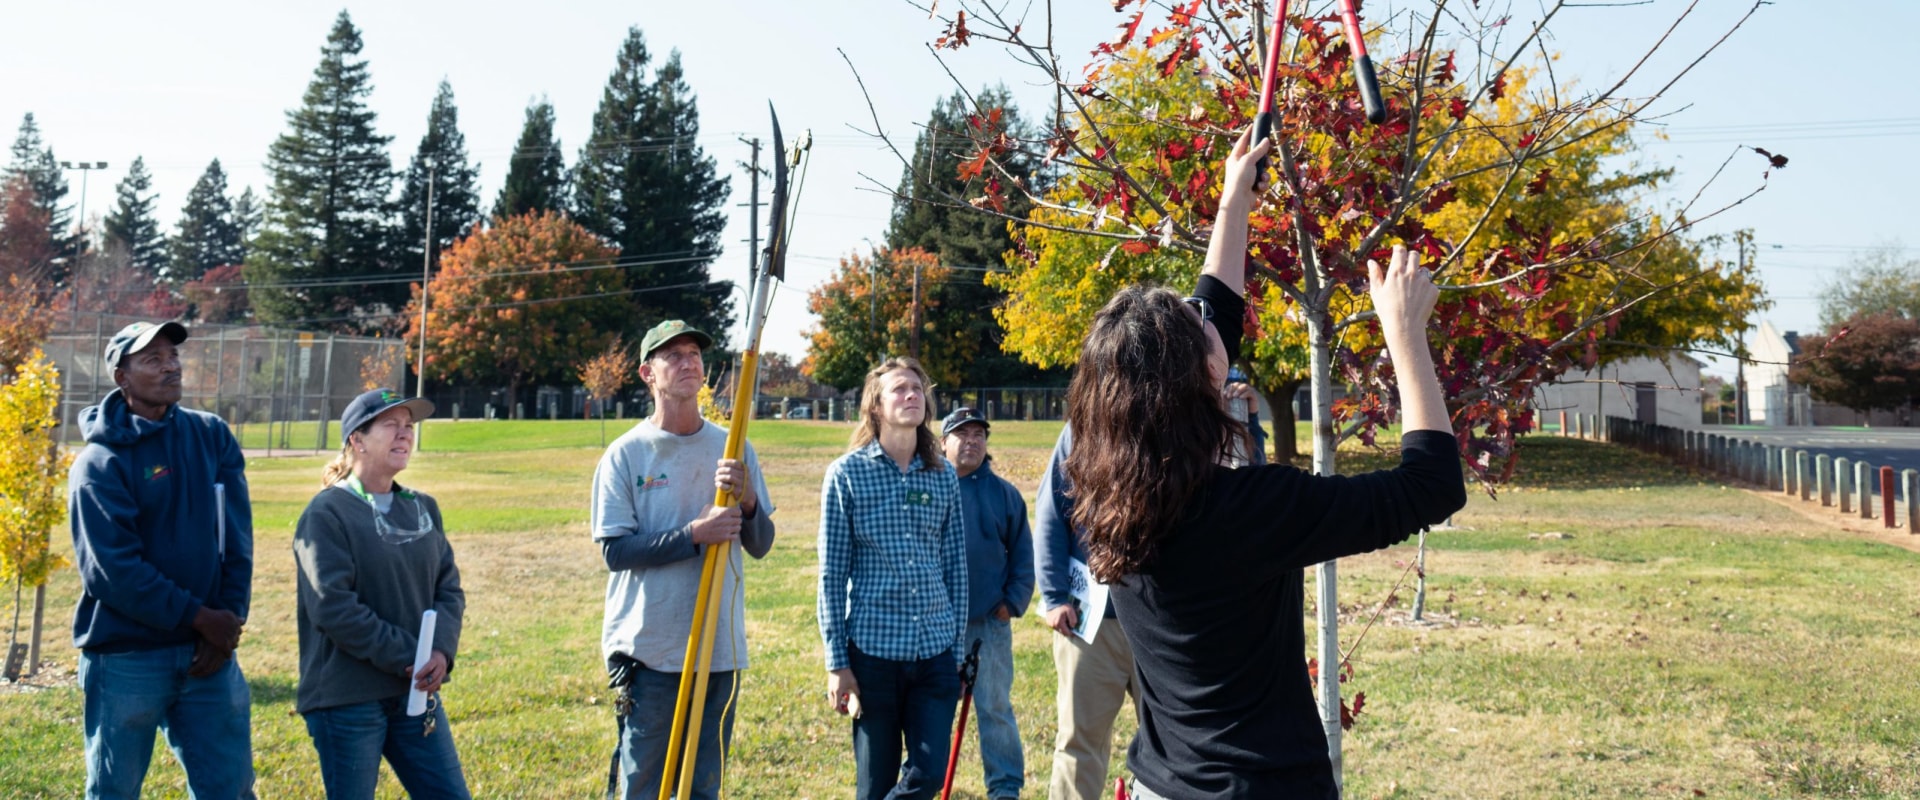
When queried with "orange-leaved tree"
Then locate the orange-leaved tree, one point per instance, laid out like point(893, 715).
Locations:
point(520, 301)
point(606, 374)
point(867, 311)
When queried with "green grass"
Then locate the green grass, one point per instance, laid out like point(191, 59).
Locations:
point(1686, 637)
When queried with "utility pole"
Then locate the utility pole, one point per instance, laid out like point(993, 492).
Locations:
point(1739, 355)
point(753, 244)
point(426, 278)
point(79, 230)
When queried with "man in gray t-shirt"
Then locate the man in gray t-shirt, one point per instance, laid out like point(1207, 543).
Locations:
point(652, 516)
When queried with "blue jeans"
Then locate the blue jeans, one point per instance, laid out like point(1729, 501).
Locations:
point(643, 748)
point(1000, 750)
point(207, 722)
point(350, 740)
point(902, 702)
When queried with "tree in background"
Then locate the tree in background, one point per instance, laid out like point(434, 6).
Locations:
point(33, 469)
point(134, 223)
point(605, 375)
point(32, 159)
point(323, 259)
point(456, 190)
point(974, 245)
point(107, 281)
point(209, 234)
point(248, 213)
point(520, 302)
point(643, 183)
point(864, 313)
point(1870, 361)
point(1882, 280)
point(536, 173)
point(781, 377)
point(219, 296)
point(26, 249)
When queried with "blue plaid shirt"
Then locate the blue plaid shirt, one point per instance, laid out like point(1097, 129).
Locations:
point(893, 559)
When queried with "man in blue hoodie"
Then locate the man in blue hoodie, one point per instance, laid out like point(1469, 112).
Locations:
point(163, 537)
point(999, 586)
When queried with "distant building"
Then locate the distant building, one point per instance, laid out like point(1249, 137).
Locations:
point(1663, 391)
point(1771, 399)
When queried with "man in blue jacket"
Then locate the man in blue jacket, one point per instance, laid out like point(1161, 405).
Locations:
point(999, 586)
point(163, 537)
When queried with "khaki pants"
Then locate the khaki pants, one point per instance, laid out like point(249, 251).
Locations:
point(1095, 679)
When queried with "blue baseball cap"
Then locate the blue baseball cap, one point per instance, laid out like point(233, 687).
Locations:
point(376, 402)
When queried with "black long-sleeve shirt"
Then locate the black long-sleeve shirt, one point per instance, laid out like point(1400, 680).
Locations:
point(1226, 708)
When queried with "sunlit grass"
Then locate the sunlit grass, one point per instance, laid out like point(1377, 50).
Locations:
point(1680, 636)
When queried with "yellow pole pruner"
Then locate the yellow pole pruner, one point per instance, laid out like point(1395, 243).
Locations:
point(684, 740)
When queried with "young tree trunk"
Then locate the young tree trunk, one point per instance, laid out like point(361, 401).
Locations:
point(1420, 573)
point(13, 636)
point(39, 613)
point(1319, 328)
point(1286, 446)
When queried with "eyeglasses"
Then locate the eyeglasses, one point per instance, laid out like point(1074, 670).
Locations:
point(1200, 306)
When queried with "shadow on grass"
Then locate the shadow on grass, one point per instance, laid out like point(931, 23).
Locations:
point(272, 690)
point(1554, 463)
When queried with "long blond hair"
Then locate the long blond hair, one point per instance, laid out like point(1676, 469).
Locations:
point(927, 445)
point(342, 465)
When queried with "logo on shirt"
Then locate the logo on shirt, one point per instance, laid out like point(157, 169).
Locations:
point(649, 484)
point(158, 471)
point(920, 498)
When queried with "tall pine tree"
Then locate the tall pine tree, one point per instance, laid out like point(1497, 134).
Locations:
point(248, 213)
point(537, 175)
point(929, 212)
point(134, 225)
point(643, 183)
point(33, 159)
point(208, 235)
point(456, 192)
point(324, 256)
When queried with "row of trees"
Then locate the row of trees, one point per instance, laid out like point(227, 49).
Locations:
point(333, 246)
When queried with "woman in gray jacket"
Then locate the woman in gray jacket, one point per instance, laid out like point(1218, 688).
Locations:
point(373, 557)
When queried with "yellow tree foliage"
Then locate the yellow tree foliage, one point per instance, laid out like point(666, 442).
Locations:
point(32, 469)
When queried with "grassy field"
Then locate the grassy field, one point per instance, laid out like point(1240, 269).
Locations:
point(1679, 639)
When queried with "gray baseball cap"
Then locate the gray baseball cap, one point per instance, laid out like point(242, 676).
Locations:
point(135, 338)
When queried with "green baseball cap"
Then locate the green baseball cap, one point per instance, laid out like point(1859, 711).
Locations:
point(666, 331)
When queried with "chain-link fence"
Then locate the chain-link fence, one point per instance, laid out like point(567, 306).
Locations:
point(278, 381)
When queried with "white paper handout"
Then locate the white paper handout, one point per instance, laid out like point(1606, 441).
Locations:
point(416, 699)
point(1089, 599)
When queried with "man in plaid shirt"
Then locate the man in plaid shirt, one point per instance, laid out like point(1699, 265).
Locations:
point(893, 588)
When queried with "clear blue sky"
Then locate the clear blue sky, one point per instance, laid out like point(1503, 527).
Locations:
point(182, 83)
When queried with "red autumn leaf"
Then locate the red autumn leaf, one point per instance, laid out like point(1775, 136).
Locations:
point(1439, 199)
point(1175, 151)
point(957, 33)
point(1527, 140)
point(1457, 108)
point(1183, 17)
point(1127, 30)
point(972, 167)
point(1499, 88)
point(1539, 182)
point(1348, 714)
point(1061, 142)
point(1773, 161)
point(1138, 247)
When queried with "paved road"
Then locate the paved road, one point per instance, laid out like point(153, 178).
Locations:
point(1895, 447)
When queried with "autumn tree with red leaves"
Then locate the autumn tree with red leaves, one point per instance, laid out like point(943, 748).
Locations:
point(1869, 361)
point(1465, 169)
point(521, 301)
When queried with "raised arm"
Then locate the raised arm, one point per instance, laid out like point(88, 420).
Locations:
point(1227, 248)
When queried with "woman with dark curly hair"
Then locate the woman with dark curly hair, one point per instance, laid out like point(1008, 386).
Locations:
point(1204, 560)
